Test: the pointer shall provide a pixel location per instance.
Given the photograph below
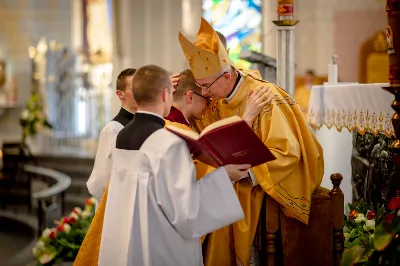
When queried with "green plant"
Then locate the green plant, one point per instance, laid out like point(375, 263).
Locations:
point(32, 117)
point(62, 242)
point(384, 247)
point(360, 226)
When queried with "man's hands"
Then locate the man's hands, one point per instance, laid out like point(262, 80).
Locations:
point(237, 171)
point(256, 100)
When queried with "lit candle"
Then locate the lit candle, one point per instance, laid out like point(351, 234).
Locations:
point(285, 9)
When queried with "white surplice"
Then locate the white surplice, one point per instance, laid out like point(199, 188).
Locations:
point(156, 210)
point(101, 172)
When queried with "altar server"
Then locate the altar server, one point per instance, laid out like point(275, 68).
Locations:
point(156, 211)
point(101, 172)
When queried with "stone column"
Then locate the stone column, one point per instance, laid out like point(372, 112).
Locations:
point(146, 32)
point(285, 45)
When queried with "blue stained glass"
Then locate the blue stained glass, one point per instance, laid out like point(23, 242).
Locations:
point(240, 21)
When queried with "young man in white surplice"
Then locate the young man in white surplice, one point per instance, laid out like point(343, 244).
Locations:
point(101, 172)
point(156, 211)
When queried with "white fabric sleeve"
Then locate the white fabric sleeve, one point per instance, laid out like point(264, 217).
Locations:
point(101, 172)
point(194, 208)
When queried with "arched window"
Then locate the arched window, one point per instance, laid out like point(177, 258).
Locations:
point(241, 23)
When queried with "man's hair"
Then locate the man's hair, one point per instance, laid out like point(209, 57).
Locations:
point(122, 76)
point(148, 82)
point(186, 83)
point(222, 38)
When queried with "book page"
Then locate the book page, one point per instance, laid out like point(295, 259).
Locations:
point(221, 123)
point(188, 133)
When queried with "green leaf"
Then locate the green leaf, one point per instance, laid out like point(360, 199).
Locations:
point(382, 237)
point(352, 256)
point(379, 214)
point(347, 210)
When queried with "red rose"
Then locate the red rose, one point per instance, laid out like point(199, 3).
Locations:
point(88, 202)
point(69, 220)
point(53, 234)
point(60, 228)
point(353, 214)
point(371, 215)
point(389, 217)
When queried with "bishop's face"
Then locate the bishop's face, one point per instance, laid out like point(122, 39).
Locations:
point(216, 87)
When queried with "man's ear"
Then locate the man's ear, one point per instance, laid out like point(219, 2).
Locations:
point(164, 95)
point(120, 94)
point(228, 76)
point(189, 97)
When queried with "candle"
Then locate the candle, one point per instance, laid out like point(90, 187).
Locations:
point(285, 8)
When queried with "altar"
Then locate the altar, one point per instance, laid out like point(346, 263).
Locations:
point(353, 124)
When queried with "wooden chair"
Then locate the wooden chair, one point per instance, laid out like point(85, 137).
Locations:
point(10, 179)
point(288, 242)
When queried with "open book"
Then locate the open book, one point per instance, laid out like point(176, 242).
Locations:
point(228, 141)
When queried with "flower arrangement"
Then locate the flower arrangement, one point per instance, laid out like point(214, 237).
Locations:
point(359, 225)
point(384, 247)
point(62, 242)
point(32, 117)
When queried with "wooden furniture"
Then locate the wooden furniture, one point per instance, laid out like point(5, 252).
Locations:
point(13, 157)
point(301, 80)
point(288, 242)
point(49, 199)
point(392, 35)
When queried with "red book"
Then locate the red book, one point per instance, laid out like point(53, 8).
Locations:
point(228, 141)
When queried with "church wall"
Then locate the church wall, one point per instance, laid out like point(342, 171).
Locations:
point(327, 28)
point(22, 24)
point(352, 29)
point(147, 33)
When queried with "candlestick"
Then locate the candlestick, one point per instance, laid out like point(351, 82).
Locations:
point(392, 37)
point(285, 11)
point(285, 45)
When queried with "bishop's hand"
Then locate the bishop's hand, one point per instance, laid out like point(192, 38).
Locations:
point(237, 171)
point(175, 79)
point(256, 100)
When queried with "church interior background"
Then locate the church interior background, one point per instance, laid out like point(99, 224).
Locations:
point(59, 61)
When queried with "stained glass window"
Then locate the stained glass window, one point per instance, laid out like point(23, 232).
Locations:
point(240, 21)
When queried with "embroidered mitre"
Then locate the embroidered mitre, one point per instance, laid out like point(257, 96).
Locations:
point(207, 56)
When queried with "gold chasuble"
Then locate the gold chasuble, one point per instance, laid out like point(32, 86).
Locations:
point(290, 179)
point(201, 168)
point(302, 97)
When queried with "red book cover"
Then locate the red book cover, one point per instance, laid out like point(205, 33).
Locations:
point(229, 141)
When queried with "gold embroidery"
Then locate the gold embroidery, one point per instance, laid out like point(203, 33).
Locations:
point(361, 120)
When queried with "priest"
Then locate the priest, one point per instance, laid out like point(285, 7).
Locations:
point(101, 172)
point(156, 211)
point(290, 179)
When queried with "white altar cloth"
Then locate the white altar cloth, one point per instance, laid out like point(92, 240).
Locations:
point(365, 107)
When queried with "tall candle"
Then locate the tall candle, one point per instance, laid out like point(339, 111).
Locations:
point(285, 9)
